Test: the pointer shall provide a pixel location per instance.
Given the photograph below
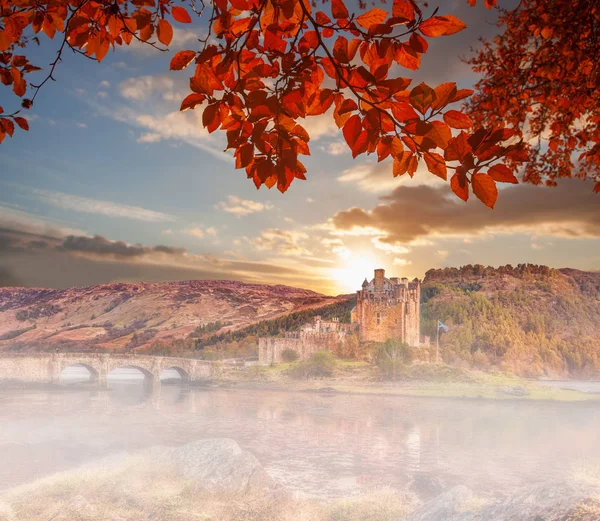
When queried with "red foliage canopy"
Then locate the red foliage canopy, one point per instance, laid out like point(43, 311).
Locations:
point(541, 77)
point(277, 62)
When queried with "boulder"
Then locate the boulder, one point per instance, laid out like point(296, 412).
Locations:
point(561, 501)
point(220, 464)
point(444, 506)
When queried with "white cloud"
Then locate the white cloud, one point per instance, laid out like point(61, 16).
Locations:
point(286, 242)
point(143, 88)
point(102, 94)
point(96, 206)
point(379, 177)
point(337, 148)
point(320, 126)
point(195, 232)
point(211, 231)
point(81, 125)
point(240, 207)
point(401, 262)
point(105, 84)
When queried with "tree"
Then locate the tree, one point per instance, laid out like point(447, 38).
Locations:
point(541, 78)
point(392, 356)
point(276, 62)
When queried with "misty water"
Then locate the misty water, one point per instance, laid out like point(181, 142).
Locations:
point(323, 445)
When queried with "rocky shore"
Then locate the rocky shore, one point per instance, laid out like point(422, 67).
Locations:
point(215, 479)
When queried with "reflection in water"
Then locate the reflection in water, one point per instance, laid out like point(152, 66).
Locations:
point(324, 445)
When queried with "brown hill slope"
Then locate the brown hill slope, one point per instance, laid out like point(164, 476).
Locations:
point(531, 319)
point(134, 315)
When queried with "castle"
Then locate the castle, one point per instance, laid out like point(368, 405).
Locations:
point(388, 308)
point(385, 308)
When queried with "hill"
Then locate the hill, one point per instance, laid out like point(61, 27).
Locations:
point(530, 319)
point(125, 316)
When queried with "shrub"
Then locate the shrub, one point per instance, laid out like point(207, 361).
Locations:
point(321, 363)
point(289, 355)
point(392, 357)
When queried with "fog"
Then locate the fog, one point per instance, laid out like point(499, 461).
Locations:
point(324, 446)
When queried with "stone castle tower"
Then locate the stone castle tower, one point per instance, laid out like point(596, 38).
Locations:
point(388, 308)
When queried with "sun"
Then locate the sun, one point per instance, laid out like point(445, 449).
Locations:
point(353, 270)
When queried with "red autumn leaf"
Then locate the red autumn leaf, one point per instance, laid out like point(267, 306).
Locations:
point(421, 97)
point(8, 126)
point(164, 32)
point(191, 101)
point(441, 26)
point(461, 94)
point(181, 15)
point(435, 164)
point(338, 9)
point(352, 130)
point(373, 17)
point(407, 57)
point(484, 187)
point(458, 120)
point(444, 94)
point(459, 186)
point(502, 174)
point(22, 122)
point(403, 9)
point(181, 60)
point(210, 117)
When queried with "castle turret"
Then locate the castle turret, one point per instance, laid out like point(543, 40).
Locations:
point(379, 279)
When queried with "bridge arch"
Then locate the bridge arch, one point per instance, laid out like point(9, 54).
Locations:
point(114, 372)
point(64, 376)
point(166, 374)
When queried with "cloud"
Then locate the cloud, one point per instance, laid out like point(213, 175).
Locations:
point(411, 214)
point(97, 206)
point(195, 232)
point(104, 84)
point(99, 245)
point(285, 242)
point(81, 125)
point(378, 177)
point(320, 126)
point(336, 148)
point(240, 207)
point(142, 88)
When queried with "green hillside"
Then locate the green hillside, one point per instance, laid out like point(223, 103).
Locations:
point(530, 319)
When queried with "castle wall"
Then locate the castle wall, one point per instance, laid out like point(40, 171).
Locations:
point(270, 348)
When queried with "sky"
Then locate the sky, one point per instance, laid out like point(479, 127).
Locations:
point(113, 183)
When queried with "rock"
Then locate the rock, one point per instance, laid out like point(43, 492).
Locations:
point(426, 485)
point(220, 464)
point(544, 502)
point(444, 506)
point(513, 391)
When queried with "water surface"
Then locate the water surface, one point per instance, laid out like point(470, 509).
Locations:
point(323, 445)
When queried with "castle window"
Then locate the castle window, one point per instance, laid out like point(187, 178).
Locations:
point(378, 318)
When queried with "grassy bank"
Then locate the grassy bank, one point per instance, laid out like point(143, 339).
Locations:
point(137, 491)
point(427, 380)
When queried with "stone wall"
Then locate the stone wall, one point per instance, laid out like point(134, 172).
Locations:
point(270, 348)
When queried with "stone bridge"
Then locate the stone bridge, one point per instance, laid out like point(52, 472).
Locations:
point(42, 367)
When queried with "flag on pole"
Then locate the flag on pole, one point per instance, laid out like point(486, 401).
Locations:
point(443, 327)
